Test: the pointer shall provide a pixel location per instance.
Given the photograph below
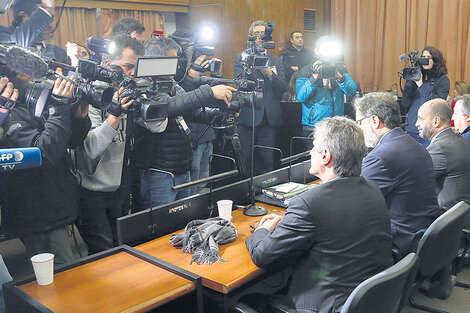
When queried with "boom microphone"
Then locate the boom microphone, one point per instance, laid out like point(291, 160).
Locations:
point(25, 62)
point(19, 158)
point(404, 57)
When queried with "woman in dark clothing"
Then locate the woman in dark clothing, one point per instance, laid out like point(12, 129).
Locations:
point(433, 83)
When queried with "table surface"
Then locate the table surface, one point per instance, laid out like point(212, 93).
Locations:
point(117, 283)
point(221, 277)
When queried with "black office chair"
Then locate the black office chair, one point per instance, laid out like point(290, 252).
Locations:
point(439, 247)
point(384, 292)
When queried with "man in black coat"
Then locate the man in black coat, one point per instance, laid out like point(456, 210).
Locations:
point(268, 113)
point(296, 56)
point(449, 152)
point(401, 167)
point(39, 204)
point(336, 234)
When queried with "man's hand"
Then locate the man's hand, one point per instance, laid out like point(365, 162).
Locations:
point(125, 104)
point(49, 5)
point(316, 68)
point(294, 68)
point(201, 60)
point(268, 72)
point(8, 90)
point(270, 221)
point(63, 87)
point(222, 92)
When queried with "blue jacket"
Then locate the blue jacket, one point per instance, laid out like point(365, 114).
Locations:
point(319, 106)
point(414, 97)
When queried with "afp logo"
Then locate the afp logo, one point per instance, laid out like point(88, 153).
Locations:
point(17, 156)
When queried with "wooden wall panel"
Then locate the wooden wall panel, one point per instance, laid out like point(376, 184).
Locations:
point(233, 19)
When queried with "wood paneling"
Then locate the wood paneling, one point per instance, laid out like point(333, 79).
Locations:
point(233, 19)
point(144, 5)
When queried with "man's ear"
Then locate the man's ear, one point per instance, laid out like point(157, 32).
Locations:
point(375, 121)
point(467, 118)
point(325, 157)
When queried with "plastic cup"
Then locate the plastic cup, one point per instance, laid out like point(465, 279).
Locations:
point(43, 265)
point(225, 209)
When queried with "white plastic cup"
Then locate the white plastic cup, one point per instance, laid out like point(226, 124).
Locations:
point(43, 265)
point(225, 209)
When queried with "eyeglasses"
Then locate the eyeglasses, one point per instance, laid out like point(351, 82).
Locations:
point(359, 121)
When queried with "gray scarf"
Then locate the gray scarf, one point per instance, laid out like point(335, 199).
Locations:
point(203, 237)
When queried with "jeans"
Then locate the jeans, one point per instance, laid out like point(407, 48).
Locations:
point(419, 139)
point(200, 164)
point(155, 187)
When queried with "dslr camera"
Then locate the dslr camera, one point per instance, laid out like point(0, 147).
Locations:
point(412, 72)
point(330, 54)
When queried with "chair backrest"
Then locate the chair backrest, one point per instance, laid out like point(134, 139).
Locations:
point(440, 243)
point(383, 292)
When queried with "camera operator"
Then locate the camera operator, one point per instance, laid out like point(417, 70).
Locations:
point(268, 115)
point(100, 159)
point(170, 150)
point(39, 204)
point(129, 26)
point(433, 83)
point(322, 97)
point(30, 18)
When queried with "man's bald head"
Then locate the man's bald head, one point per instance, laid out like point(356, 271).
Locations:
point(433, 116)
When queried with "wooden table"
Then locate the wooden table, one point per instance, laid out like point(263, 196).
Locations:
point(120, 282)
point(221, 277)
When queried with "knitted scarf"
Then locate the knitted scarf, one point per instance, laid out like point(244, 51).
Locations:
point(203, 237)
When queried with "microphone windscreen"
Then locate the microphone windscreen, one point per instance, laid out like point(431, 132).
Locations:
point(404, 57)
point(25, 62)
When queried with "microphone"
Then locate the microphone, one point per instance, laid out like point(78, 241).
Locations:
point(25, 62)
point(404, 57)
point(19, 158)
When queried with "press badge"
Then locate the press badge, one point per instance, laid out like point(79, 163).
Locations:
point(183, 125)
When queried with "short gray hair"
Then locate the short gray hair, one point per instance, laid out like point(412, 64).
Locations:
point(345, 141)
point(160, 47)
point(382, 105)
point(440, 108)
point(254, 24)
point(465, 103)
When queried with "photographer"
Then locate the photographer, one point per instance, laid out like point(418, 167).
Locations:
point(322, 97)
point(170, 150)
point(267, 115)
point(39, 204)
point(30, 19)
point(100, 159)
point(433, 83)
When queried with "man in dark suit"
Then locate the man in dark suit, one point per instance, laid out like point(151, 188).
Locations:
point(449, 152)
point(461, 116)
point(29, 21)
point(401, 167)
point(337, 234)
point(268, 112)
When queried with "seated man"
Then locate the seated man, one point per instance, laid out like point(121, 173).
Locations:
point(461, 116)
point(401, 167)
point(449, 152)
point(339, 230)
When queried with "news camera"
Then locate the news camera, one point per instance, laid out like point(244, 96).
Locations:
point(253, 57)
point(412, 72)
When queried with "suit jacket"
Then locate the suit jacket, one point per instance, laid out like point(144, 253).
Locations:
point(272, 93)
point(337, 234)
point(403, 170)
point(450, 155)
point(25, 34)
point(466, 134)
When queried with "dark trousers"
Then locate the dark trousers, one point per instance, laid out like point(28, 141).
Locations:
point(98, 212)
point(265, 135)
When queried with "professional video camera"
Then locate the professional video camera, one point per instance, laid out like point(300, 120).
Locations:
point(412, 72)
point(191, 49)
point(253, 57)
point(329, 52)
point(155, 74)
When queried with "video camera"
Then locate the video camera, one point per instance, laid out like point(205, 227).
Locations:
point(412, 72)
point(253, 57)
point(191, 49)
point(155, 74)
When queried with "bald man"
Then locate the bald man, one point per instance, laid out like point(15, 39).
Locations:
point(449, 153)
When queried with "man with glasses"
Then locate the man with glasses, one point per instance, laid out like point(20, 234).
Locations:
point(401, 167)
